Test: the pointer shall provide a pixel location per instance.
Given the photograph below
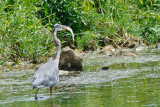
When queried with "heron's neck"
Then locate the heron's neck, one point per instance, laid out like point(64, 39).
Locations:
point(58, 44)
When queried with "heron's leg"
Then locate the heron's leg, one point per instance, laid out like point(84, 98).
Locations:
point(36, 94)
point(51, 91)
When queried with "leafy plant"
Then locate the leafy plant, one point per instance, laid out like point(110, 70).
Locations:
point(25, 25)
point(87, 41)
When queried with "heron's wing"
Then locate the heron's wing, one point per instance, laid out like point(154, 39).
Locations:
point(46, 75)
point(31, 80)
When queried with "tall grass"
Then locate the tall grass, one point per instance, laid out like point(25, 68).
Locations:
point(20, 31)
point(112, 19)
point(24, 25)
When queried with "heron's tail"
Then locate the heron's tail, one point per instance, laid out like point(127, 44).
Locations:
point(31, 80)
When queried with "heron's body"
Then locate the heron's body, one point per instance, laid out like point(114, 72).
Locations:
point(48, 73)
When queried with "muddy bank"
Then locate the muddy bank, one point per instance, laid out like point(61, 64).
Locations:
point(74, 58)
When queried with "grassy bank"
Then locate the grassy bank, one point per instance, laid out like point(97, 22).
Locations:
point(25, 26)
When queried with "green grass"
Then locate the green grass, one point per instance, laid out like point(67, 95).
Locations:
point(25, 26)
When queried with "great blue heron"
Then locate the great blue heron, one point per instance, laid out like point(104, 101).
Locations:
point(48, 73)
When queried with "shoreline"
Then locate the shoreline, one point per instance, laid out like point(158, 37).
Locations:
point(110, 51)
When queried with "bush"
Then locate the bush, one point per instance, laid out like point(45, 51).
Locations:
point(25, 25)
point(20, 32)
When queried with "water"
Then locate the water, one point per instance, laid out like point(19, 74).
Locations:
point(130, 82)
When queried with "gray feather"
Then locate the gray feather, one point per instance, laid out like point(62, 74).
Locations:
point(46, 75)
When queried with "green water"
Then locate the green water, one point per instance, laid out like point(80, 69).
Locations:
point(130, 82)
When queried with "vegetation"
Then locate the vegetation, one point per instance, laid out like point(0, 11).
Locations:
point(25, 26)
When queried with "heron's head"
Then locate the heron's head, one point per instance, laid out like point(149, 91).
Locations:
point(58, 27)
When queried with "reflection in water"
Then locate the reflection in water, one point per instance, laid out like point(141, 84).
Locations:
point(51, 103)
point(36, 101)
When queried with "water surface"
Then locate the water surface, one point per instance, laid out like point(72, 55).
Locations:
point(130, 82)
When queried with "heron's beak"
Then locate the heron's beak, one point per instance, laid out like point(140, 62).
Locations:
point(66, 28)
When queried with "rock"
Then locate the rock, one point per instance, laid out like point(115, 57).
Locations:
point(62, 72)
point(140, 48)
point(109, 49)
point(105, 68)
point(120, 53)
point(129, 54)
point(69, 60)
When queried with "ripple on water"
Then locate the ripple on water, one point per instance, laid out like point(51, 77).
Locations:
point(130, 80)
